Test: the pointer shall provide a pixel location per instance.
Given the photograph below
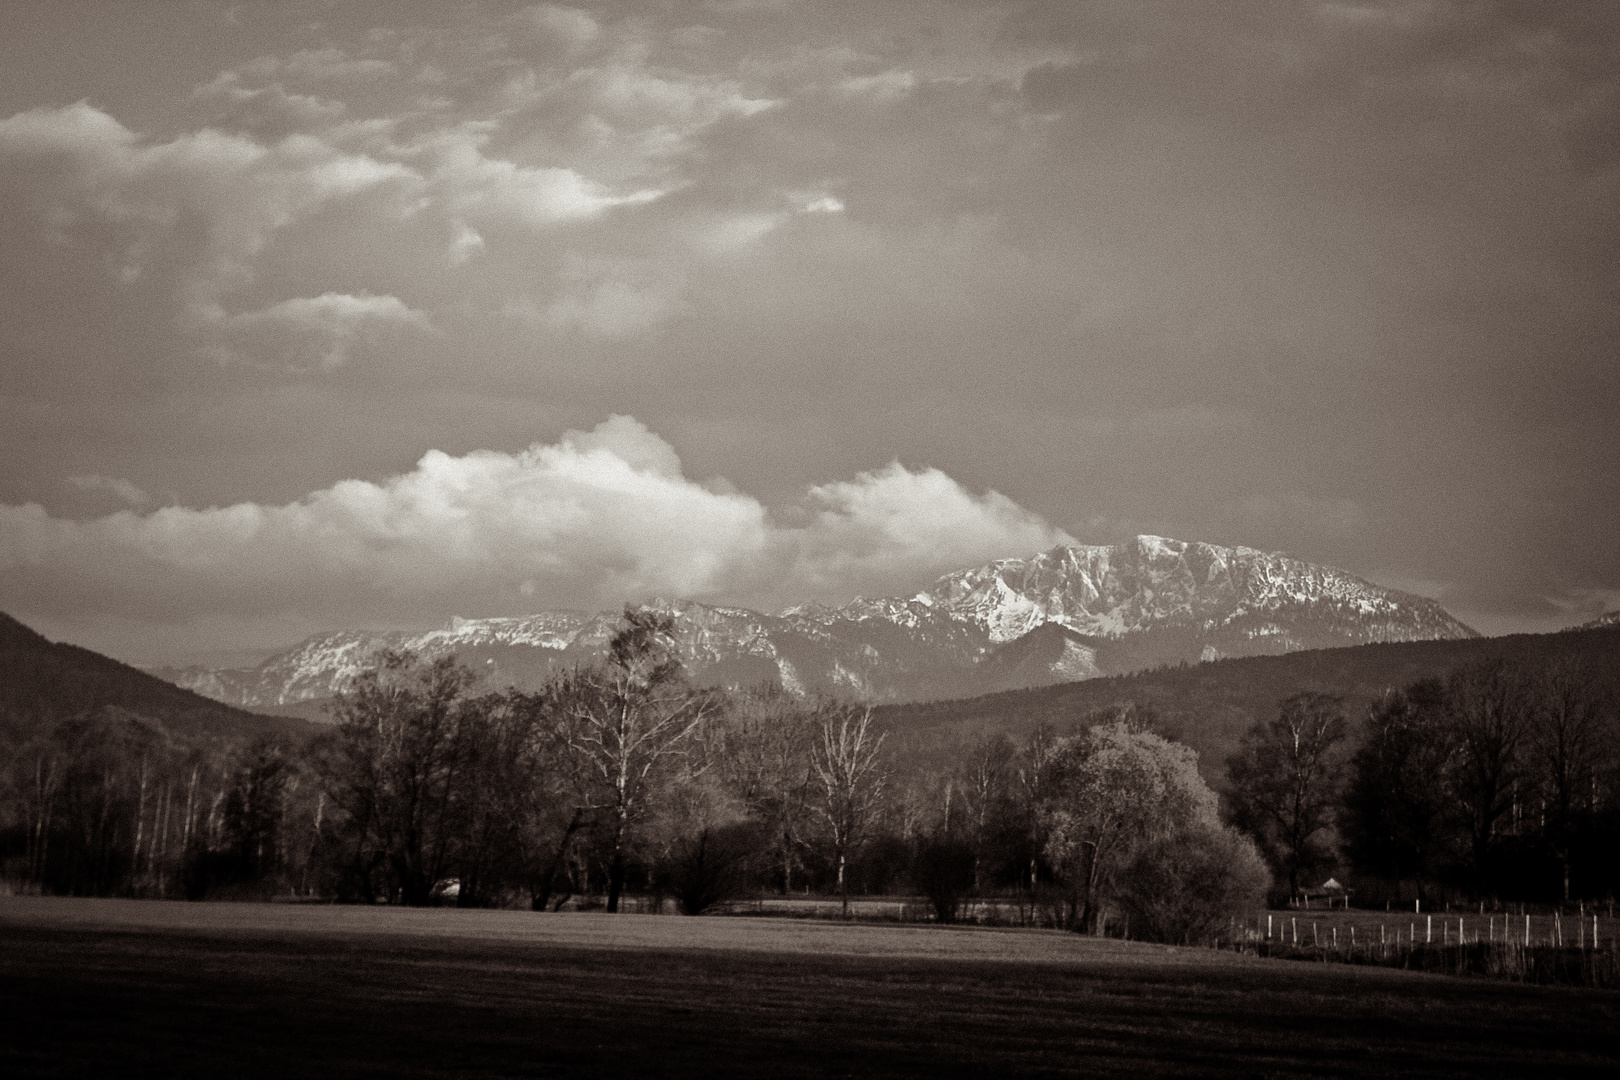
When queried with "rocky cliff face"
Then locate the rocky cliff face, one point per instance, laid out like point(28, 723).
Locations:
point(1065, 614)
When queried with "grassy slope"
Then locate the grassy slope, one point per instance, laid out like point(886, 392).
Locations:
point(42, 682)
point(1209, 706)
point(103, 987)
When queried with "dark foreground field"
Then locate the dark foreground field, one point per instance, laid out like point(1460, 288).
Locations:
point(111, 988)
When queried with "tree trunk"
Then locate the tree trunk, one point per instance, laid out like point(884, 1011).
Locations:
point(541, 896)
point(621, 824)
point(615, 880)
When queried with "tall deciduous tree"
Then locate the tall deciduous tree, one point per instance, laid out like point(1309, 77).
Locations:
point(985, 778)
point(1488, 714)
point(630, 716)
point(1393, 820)
point(397, 770)
point(762, 750)
point(1285, 783)
point(1568, 751)
point(1107, 790)
point(849, 768)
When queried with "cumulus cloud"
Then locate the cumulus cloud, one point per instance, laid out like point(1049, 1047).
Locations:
point(269, 112)
point(604, 297)
point(467, 243)
point(318, 331)
point(888, 86)
point(593, 520)
point(475, 185)
point(155, 193)
point(202, 210)
point(569, 27)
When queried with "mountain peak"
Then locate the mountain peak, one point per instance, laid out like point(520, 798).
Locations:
point(1157, 582)
point(1071, 612)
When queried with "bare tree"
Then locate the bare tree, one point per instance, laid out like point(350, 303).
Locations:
point(1567, 750)
point(1285, 781)
point(397, 769)
point(847, 762)
point(629, 716)
point(762, 749)
point(985, 780)
point(1488, 715)
point(1393, 819)
point(1034, 777)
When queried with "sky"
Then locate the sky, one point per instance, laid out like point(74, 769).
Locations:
point(338, 313)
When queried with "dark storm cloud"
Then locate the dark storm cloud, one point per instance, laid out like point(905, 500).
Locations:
point(1331, 278)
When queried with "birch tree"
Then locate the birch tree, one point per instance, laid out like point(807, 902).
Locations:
point(849, 769)
point(629, 717)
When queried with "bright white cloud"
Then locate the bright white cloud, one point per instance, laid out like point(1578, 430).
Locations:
point(595, 519)
point(475, 186)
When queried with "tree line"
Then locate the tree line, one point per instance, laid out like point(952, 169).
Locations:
point(1499, 782)
point(623, 777)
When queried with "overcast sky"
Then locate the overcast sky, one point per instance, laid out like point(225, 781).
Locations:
point(331, 314)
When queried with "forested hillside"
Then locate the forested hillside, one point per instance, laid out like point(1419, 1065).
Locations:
point(1209, 706)
point(43, 683)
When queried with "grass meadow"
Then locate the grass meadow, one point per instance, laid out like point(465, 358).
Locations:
point(146, 988)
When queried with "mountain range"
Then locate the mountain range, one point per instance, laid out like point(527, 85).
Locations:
point(1071, 613)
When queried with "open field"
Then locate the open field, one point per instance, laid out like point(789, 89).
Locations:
point(102, 987)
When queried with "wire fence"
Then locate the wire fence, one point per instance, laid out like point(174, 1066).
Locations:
point(1546, 949)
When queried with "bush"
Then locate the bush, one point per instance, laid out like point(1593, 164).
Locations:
point(1185, 888)
point(944, 873)
point(711, 866)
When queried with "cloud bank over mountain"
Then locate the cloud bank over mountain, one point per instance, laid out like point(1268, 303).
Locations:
point(594, 520)
point(1327, 278)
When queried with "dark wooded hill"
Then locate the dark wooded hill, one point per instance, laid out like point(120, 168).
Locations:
point(1208, 706)
point(43, 683)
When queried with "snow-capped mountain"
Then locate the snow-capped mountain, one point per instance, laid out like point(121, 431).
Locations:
point(1152, 584)
point(1069, 613)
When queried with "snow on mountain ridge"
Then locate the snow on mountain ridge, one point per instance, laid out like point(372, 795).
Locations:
point(1152, 581)
point(1186, 600)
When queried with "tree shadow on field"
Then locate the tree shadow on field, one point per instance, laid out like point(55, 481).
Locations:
point(131, 1004)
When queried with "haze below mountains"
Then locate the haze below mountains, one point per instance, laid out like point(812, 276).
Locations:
point(1068, 614)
